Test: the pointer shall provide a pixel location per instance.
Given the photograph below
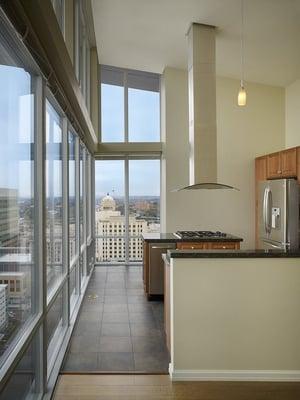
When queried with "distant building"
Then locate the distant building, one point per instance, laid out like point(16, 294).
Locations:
point(3, 307)
point(18, 289)
point(110, 224)
point(9, 218)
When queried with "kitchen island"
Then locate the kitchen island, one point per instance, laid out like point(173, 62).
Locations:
point(156, 244)
point(233, 315)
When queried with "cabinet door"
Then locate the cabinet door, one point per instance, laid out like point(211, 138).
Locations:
point(261, 168)
point(274, 166)
point(191, 245)
point(289, 163)
point(224, 245)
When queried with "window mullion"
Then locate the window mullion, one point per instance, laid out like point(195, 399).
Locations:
point(126, 170)
point(126, 106)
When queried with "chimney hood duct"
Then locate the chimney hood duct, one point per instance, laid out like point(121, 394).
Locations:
point(202, 109)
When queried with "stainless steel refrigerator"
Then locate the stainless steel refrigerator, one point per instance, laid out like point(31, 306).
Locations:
point(278, 214)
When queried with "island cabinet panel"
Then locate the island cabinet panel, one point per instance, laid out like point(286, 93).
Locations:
point(167, 305)
point(192, 245)
point(208, 245)
point(224, 245)
point(298, 164)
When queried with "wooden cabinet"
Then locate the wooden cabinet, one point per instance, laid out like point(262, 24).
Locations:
point(224, 245)
point(261, 168)
point(273, 166)
point(282, 164)
point(288, 163)
point(208, 245)
point(192, 245)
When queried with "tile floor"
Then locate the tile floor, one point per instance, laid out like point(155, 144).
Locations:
point(117, 329)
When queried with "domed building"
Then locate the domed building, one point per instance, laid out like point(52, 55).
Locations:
point(108, 203)
point(111, 231)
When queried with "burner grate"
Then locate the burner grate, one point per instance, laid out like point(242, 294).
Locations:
point(199, 234)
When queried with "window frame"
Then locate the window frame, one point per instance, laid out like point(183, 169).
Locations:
point(126, 236)
point(64, 179)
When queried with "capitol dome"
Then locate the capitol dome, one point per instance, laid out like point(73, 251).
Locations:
point(108, 203)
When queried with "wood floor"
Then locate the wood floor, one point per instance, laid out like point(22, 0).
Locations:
point(159, 387)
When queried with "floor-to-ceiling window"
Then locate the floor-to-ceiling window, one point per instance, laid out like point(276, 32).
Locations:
point(127, 186)
point(45, 238)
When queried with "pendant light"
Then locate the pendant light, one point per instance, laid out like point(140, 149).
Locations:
point(242, 96)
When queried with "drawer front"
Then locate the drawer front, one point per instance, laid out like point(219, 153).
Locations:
point(224, 245)
point(191, 246)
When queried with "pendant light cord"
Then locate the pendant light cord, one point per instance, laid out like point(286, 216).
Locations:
point(242, 43)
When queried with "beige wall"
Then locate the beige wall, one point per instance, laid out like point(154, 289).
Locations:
point(233, 315)
point(292, 113)
point(243, 134)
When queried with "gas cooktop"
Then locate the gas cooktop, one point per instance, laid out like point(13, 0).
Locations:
point(199, 234)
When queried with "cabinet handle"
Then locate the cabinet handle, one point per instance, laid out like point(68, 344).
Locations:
point(163, 247)
point(192, 247)
point(223, 247)
point(278, 172)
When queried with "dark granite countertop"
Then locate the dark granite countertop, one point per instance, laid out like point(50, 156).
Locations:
point(233, 254)
point(171, 238)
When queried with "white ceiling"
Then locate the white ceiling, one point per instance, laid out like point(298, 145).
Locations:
point(150, 35)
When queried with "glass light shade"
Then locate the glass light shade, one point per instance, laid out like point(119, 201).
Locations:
point(242, 96)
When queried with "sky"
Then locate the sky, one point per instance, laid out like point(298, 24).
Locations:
point(143, 114)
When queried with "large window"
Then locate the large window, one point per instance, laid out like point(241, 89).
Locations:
point(54, 197)
point(127, 205)
point(17, 199)
point(130, 106)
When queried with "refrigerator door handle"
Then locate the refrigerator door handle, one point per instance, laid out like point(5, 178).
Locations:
point(267, 210)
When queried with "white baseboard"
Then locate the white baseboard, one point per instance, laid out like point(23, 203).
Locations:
point(234, 375)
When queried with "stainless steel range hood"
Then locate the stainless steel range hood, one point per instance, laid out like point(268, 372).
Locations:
point(202, 109)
